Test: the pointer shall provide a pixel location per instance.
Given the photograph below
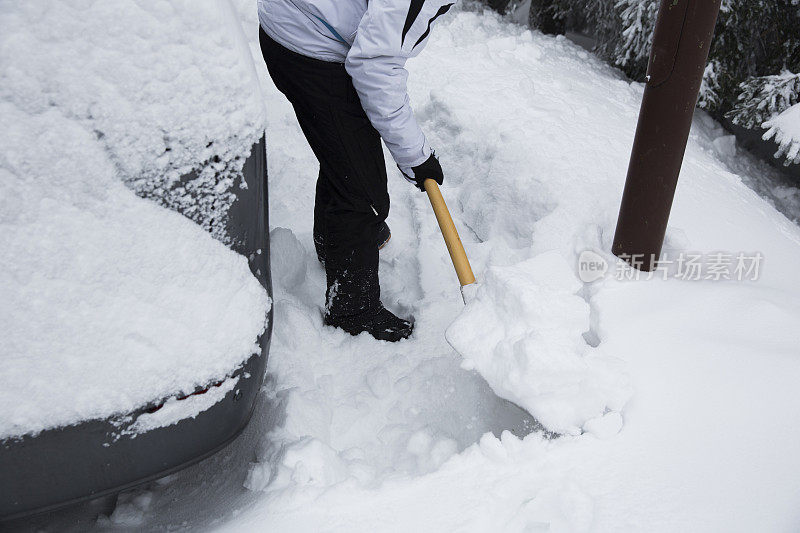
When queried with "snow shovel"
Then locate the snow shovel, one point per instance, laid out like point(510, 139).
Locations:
point(466, 277)
point(451, 239)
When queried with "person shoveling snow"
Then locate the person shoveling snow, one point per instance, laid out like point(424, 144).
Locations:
point(340, 64)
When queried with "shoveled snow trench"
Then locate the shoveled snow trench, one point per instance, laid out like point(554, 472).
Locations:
point(693, 427)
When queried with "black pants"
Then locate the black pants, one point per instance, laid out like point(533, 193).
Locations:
point(351, 196)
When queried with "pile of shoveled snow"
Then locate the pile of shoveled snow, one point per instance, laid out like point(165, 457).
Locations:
point(108, 301)
point(523, 330)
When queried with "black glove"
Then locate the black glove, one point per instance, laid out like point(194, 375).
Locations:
point(429, 169)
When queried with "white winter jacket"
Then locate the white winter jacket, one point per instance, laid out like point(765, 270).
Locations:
point(373, 38)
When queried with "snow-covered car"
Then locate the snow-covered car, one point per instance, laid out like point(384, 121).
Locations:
point(134, 248)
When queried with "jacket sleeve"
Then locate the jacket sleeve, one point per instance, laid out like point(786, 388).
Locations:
point(390, 32)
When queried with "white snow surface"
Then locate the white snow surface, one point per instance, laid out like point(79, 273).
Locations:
point(165, 86)
point(108, 301)
point(534, 135)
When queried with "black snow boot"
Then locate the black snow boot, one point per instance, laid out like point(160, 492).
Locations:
point(381, 324)
point(353, 303)
point(384, 234)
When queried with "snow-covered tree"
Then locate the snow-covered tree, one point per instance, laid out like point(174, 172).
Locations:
point(764, 97)
point(756, 65)
point(753, 73)
point(784, 129)
point(638, 18)
point(547, 16)
point(709, 89)
point(753, 38)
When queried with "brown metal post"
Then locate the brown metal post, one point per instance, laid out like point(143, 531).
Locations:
point(681, 42)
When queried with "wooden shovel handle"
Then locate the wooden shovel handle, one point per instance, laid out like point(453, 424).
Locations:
point(451, 239)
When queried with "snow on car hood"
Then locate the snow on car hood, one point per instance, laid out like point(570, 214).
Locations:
point(109, 301)
point(167, 88)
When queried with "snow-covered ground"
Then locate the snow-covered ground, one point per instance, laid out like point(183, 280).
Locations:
point(692, 423)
